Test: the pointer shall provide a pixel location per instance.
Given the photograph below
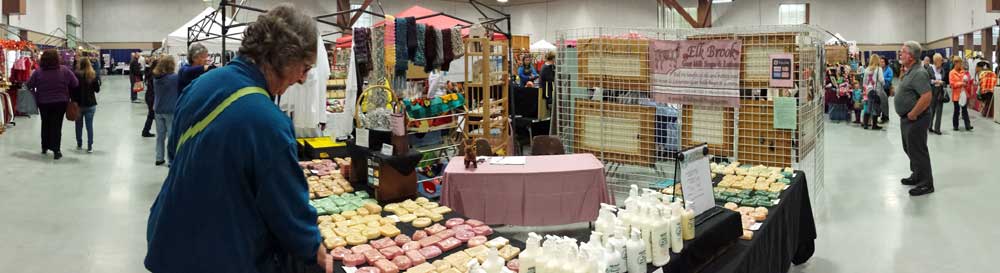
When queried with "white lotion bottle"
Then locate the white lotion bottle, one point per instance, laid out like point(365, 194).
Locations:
point(613, 260)
point(687, 221)
point(619, 241)
point(605, 222)
point(493, 262)
point(530, 256)
point(676, 239)
point(645, 222)
point(661, 238)
point(571, 261)
point(636, 253)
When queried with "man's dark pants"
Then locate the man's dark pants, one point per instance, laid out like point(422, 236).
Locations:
point(914, 134)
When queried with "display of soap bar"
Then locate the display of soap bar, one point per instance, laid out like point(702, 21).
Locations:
point(430, 252)
point(402, 262)
point(386, 266)
point(497, 242)
point(324, 178)
point(509, 252)
point(421, 268)
point(391, 252)
point(477, 241)
point(420, 212)
point(415, 256)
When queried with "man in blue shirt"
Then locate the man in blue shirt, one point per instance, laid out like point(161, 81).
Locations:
point(197, 65)
point(888, 75)
point(235, 199)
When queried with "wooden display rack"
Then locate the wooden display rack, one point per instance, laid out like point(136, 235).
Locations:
point(487, 85)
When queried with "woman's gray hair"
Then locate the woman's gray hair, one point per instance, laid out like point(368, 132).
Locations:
point(195, 50)
point(282, 35)
point(914, 48)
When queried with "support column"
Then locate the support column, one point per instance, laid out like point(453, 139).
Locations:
point(955, 47)
point(970, 45)
point(988, 44)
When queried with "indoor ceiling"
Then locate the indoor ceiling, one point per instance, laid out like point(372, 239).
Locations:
point(509, 2)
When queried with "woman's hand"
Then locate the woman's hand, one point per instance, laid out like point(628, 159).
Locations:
point(323, 260)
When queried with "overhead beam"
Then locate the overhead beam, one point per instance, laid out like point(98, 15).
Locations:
point(364, 6)
point(705, 13)
point(680, 10)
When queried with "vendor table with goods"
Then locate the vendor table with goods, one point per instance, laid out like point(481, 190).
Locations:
point(544, 190)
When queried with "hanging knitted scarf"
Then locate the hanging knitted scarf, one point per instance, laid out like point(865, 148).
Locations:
point(439, 47)
point(411, 38)
point(430, 48)
point(362, 51)
point(418, 54)
point(390, 42)
point(449, 55)
point(402, 53)
point(457, 47)
point(378, 55)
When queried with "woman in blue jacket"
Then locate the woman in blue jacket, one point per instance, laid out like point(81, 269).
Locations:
point(165, 81)
point(235, 199)
point(526, 72)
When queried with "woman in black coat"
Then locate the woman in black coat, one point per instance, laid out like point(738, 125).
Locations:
point(150, 98)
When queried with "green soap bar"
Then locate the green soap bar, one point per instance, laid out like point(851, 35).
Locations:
point(361, 194)
point(719, 196)
point(321, 211)
point(746, 192)
point(785, 180)
point(369, 200)
point(734, 200)
point(728, 194)
point(340, 202)
point(743, 196)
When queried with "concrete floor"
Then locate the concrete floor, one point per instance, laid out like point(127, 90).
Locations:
point(87, 212)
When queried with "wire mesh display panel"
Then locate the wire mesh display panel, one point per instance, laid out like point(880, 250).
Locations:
point(611, 99)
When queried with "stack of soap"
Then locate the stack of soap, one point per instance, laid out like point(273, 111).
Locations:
point(418, 212)
point(342, 203)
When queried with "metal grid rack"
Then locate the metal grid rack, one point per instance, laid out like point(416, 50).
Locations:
point(606, 103)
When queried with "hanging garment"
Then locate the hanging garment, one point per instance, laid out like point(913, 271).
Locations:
point(439, 47)
point(402, 50)
point(457, 47)
point(449, 55)
point(430, 48)
point(362, 49)
point(341, 124)
point(418, 54)
point(307, 101)
point(25, 100)
point(378, 55)
point(411, 38)
point(390, 42)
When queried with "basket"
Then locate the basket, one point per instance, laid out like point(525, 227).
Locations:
point(373, 119)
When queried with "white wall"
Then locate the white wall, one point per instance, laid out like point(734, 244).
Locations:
point(947, 18)
point(542, 21)
point(45, 16)
point(864, 21)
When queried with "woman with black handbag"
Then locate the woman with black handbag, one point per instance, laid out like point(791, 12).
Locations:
point(939, 79)
point(51, 85)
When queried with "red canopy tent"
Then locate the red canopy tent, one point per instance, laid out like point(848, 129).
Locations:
point(438, 21)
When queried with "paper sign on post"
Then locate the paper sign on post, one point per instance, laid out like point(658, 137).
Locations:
point(387, 149)
point(361, 137)
point(785, 113)
point(696, 178)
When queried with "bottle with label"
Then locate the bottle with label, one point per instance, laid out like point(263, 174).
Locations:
point(571, 261)
point(661, 237)
point(618, 243)
point(530, 256)
point(544, 265)
point(637, 256)
point(687, 220)
point(605, 222)
point(676, 238)
point(613, 261)
point(644, 221)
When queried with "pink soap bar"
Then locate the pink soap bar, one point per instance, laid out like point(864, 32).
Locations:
point(429, 241)
point(483, 230)
point(412, 246)
point(391, 252)
point(464, 235)
point(420, 234)
point(402, 262)
point(368, 269)
point(477, 241)
point(402, 239)
point(359, 249)
point(454, 222)
point(462, 227)
point(449, 244)
point(430, 252)
point(513, 265)
point(474, 222)
point(373, 255)
point(354, 259)
point(386, 266)
point(445, 234)
point(435, 229)
point(339, 252)
point(383, 243)
point(415, 257)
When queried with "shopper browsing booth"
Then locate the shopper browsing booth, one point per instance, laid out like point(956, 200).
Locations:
point(235, 199)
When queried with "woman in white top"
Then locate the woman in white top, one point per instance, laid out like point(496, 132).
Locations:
point(873, 79)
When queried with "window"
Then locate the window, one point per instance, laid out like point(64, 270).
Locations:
point(671, 19)
point(366, 20)
point(793, 14)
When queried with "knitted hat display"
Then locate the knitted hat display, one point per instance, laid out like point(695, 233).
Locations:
point(430, 48)
point(378, 54)
point(418, 54)
point(362, 51)
point(449, 55)
point(402, 51)
point(457, 47)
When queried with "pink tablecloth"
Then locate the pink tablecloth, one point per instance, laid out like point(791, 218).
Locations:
point(548, 190)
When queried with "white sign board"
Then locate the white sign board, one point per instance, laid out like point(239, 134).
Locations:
point(696, 178)
point(361, 137)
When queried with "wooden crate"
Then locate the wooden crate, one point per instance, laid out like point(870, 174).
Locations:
point(759, 141)
point(614, 64)
point(616, 132)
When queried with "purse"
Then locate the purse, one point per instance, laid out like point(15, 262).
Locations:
point(138, 87)
point(963, 99)
point(72, 111)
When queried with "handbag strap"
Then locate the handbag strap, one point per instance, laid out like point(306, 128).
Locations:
point(203, 123)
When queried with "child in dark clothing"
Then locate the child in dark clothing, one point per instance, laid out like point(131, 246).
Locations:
point(872, 110)
point(856, 102)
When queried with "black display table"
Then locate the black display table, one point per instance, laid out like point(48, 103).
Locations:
point(785, 238)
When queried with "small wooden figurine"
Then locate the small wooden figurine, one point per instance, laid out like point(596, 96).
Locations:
point(470, 154)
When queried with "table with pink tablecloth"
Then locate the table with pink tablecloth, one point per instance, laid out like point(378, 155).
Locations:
point(547, 190)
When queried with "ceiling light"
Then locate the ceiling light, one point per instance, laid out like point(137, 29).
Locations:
point(721, 1)
point(502, 1)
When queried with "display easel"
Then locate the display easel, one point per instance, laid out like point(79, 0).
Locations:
point(692, 154)
point(487, 85)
